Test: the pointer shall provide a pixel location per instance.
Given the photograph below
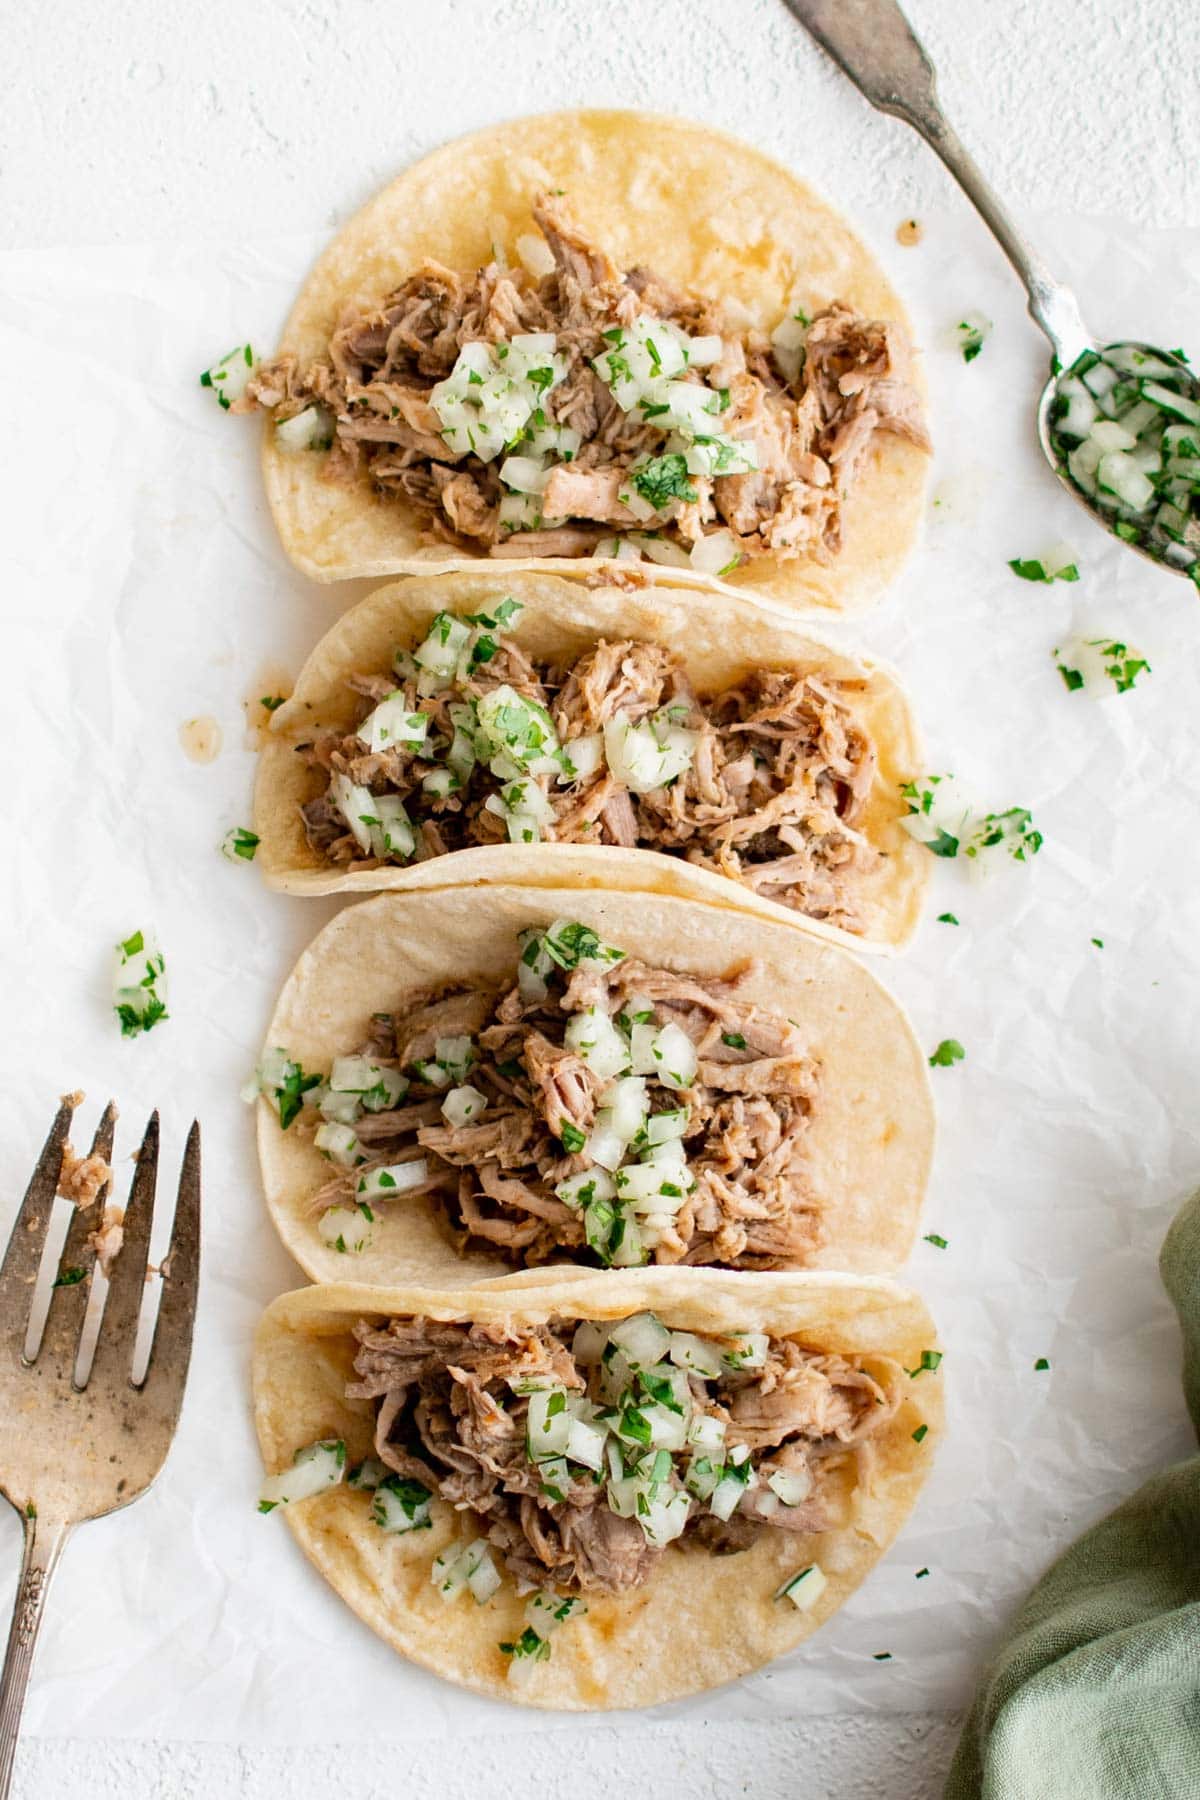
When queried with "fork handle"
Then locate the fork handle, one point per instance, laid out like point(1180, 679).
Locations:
point(44, 1540)
point(874, 44)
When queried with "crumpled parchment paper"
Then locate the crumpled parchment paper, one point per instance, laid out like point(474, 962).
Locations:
point(143, 587)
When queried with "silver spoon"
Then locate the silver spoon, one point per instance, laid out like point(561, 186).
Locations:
point(874, 44)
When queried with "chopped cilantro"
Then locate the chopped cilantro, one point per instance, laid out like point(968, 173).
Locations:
point(920, 1573)
point(920, 1433)
point(240, 844)
point(1030, 569)
point(734, 1039)
point(663, 479)
point(930, 1360)
point(939, 1243)
point(291, 1091)
point(949, 1051)
point(528, 1644)
point(134, 1021)
point(69, 1277)
point(1041, 1365)
point(972, 333)
point(571, 1137)
point(946, 919)
point(1099, 943)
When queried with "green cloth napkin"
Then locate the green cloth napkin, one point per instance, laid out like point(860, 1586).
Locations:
point(1096, 1694)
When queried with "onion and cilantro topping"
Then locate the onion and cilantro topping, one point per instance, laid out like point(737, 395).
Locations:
point(804, 1588)
point(239, 845)
point(1100, 665)
point(139, 984)
point(315, 1469)
point(493, 390)
point(644, 367)
point(1125, 426)
point(942, 817)
point(228, 378)
point(544, 1613)
point(400, 1505)
point(310, 429)
point(971, 334)
point(1056, 564)
point(466, 1568)
point(282, 1083)
point(502, 730)
point(347, 1229)
point(393, 1180)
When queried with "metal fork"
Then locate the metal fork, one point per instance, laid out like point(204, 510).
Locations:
point(69, 1453)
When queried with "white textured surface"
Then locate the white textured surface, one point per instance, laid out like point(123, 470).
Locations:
point(842, 1759)
point(168, 122)
point(156, 121)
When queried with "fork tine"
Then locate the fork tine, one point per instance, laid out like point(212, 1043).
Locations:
point(18, 1272)
point(167, 1367)
point(119, 1327)
point(68, 1305)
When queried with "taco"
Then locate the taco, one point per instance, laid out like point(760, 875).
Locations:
point(463, 1082)
point(601, 1492)
point(596, 337)
point(670, 740)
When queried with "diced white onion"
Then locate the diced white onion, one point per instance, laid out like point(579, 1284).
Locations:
point(626, 1103)
point(548, 1423)
point(674, 1057)
point(357, 806)
point(535, 254)
point(339, 1143)
point(314, 1469)
point(705, 1430)
point(311, 429)
point(588, 1342)
point(604, 1145)
point(393, 1179)
point(642, 1339)
point(791, 1485)
point(713, 553)
point(462, 1104)
point(582, 756)
point(748, 1350)
point(696, 1354)
point(346, 1228)
point(586, 1186)
point(391, 723)
point(596, 1039)
point(229, 377)
point(667, 1127)
point(805, 1588)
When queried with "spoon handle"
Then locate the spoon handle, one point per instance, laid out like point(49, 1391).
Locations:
point(874, 44)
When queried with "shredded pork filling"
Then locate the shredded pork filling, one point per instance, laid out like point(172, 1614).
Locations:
point(454, 1414)
point(810, 426)
point(774, 795)
point(749, 1201)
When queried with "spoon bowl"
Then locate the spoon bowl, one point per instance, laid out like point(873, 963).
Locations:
point(1109, 516)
